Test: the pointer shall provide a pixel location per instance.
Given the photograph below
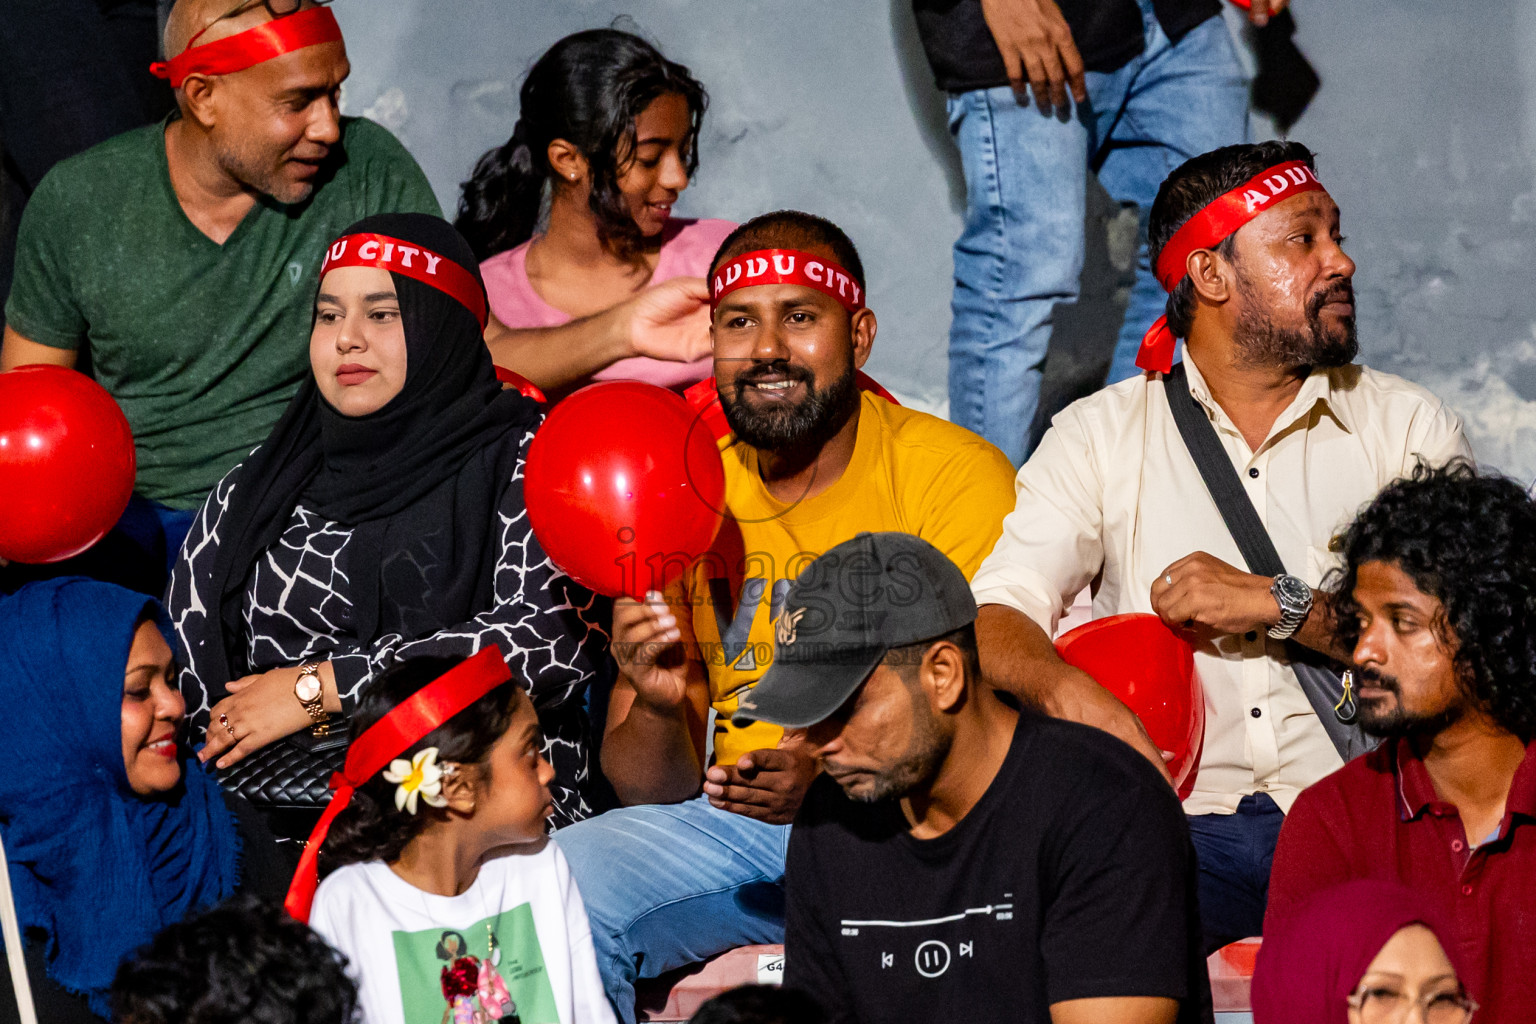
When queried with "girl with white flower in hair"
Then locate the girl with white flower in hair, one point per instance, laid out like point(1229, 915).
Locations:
point(452, 838)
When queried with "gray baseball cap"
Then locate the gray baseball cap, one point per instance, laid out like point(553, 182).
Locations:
point(844, 613)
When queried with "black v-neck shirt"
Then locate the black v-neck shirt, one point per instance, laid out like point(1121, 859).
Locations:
point(1073, 877)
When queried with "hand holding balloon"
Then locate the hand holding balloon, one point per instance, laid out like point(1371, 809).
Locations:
point(648, 648)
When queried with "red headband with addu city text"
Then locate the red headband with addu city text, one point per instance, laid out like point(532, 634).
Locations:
point(402, 728)
point(399, 257)
point(253, 46)
point(1206, 230)
point(785, 266)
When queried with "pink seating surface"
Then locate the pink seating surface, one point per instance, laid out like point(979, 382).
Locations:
point(1231, 969)
point(675, 996)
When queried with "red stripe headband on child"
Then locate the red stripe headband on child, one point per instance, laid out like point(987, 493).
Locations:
point(253, 46)
point(785, 266)
point(1206, 230)
point(396, 256)
point(387, 739)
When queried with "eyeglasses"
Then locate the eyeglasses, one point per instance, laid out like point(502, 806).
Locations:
point(276, 8)
point(1381, 1004)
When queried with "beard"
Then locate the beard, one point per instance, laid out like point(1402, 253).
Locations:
point(1261, 343)
point(916, 767)
point(1390, 720)
point(781, 427)
point(256, 172)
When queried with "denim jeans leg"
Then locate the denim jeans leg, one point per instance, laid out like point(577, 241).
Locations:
point(1265, 833)
point(668, 885)
point(1184, 100)
point(1235, 852)
point(1019, 255)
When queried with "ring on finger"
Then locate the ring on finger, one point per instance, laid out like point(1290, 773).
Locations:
point(224, 721)
point(1168, 578)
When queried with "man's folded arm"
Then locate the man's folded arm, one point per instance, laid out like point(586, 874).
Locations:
point(19, 351)
point(1050, 549)
point(1118, 1010)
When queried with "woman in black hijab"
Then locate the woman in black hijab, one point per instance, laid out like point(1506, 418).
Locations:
point(382, 519)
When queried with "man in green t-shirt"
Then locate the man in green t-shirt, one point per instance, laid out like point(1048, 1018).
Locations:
point(184, 255)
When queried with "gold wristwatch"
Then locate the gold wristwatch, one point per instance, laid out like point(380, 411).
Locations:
point(312, 696)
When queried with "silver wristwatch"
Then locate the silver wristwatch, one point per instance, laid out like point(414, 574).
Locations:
point(1295, 600)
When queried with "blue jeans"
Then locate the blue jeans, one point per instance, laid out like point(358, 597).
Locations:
point(1021, 252)
point(667, 885)
point(1235, 852)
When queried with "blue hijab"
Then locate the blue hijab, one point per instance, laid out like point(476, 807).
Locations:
point(95, 867)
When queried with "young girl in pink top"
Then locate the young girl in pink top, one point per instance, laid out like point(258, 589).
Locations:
point(609, 133)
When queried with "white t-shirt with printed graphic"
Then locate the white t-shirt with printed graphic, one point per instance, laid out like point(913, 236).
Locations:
point(515, 945)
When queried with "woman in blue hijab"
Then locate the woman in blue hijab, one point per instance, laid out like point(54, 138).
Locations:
point(110, 829)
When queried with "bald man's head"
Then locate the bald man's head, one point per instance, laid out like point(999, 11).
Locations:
point(270, 126)
point(190, 17)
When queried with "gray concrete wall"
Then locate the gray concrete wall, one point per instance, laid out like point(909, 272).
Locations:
point(1425, 129)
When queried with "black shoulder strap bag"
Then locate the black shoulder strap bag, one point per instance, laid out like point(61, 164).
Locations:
point(1330, 695)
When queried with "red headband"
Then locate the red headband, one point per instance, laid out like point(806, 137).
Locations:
point(785, 266)
point(387, 739)
point(253, 46)
point(424, 265)
point(1206, 230)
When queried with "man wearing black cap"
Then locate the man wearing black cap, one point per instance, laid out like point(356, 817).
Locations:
point(957, 854)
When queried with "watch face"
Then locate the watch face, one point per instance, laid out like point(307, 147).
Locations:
point(1293, 593)
point(307, 688)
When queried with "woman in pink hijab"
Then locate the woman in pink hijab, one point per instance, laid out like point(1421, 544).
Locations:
point(1364, 952)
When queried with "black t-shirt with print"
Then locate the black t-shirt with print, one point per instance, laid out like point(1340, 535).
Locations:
point(1073, 877)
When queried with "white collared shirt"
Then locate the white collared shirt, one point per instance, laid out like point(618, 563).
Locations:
point(1112, 497)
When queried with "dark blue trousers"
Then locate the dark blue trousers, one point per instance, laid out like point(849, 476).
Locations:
point(1235, 852)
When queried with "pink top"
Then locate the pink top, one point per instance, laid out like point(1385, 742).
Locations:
point(687, 248)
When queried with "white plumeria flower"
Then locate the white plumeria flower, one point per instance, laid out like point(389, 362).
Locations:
point(419, 777)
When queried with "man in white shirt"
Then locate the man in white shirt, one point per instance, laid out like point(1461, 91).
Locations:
point(1247, 242)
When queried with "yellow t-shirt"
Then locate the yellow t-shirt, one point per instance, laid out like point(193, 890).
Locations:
point(910, 472)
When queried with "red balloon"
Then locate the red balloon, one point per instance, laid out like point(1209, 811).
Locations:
point(66, 463)
point(1144, 663)
point(624, 487)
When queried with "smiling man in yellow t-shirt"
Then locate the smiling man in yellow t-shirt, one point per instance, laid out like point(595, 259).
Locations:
point(811, 462)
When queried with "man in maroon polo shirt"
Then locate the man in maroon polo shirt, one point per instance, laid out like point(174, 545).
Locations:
point(1437, 599)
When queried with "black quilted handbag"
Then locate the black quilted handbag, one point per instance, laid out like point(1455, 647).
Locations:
point(293, 774)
